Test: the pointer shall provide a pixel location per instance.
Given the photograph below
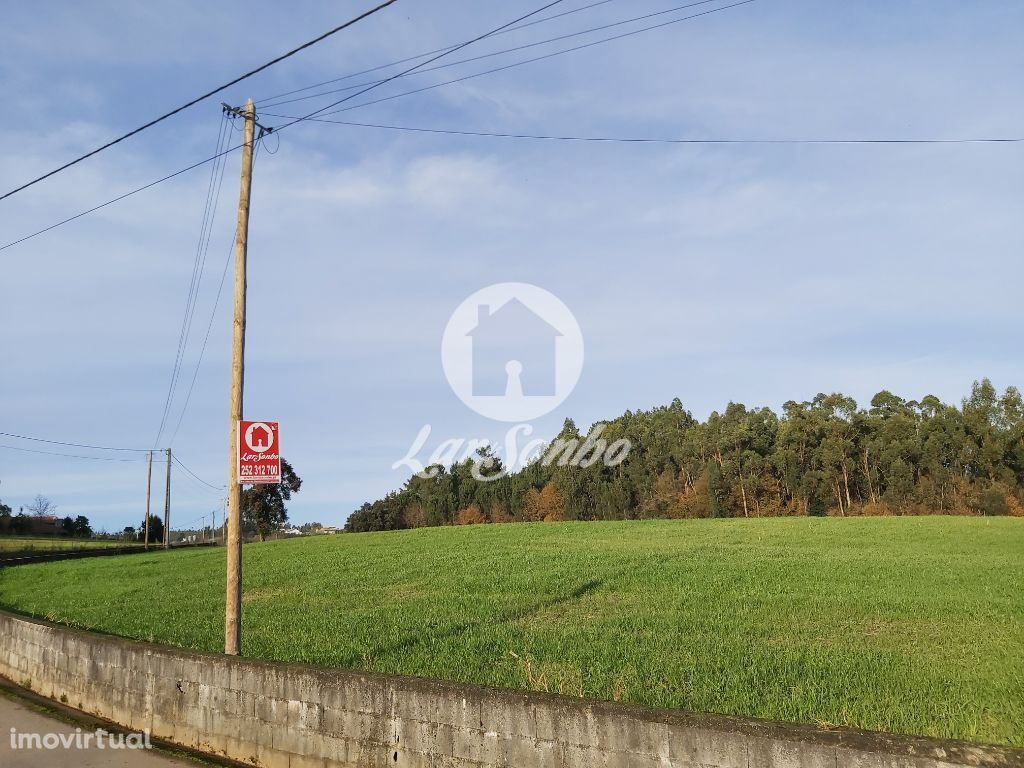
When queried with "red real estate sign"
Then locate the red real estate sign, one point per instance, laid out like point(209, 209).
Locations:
point(259, 453)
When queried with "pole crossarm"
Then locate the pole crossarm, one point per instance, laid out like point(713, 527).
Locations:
point(239, 112)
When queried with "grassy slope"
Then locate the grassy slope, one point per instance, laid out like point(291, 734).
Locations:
point(905, 624)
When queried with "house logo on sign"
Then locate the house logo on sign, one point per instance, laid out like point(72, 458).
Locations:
point(512, 351)
point(259, 437)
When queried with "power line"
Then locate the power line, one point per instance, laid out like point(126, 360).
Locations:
point(119, 198)
point(492, 54)
point(205, 96)
point(206, 339)
point(311, 117)
point(198, 268)
point(178, 461)
point(72, 445)
point(67, 455)
point(201, 518)
point(429, 53)
point(209, 325)
point(192, 288)
point(372, 86)
point(196, 489)
point(403, 73)
point(512, 65)
point(195, 165)
point(632, 140)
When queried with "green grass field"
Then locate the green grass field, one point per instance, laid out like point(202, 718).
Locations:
point(899, 624)
point(12, 544)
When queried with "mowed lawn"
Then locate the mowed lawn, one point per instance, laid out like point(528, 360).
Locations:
point(912, 625)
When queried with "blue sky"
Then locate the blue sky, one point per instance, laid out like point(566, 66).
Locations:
point(755, 273)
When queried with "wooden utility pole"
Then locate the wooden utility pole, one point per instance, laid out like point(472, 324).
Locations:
point(167, 504)
point(233, 607)
point(149, 488)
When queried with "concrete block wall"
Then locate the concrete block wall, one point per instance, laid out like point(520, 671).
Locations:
point(293, 716)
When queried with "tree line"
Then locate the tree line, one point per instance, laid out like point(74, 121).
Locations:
point(825, 456)
point(41, 519)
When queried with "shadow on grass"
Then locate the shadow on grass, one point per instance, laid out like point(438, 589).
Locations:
point(517, 614)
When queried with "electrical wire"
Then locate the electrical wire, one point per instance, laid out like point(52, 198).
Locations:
point(311, 116)
point(428, 53)
point(631, 140)
point(73, 445)
point(412, 69)
point(195, 165)
point(276, 103)
point(201, 518)
point(277, 147)
point(213, 314)
point(205, 96)
point(322, 111)
point(197, 477)
point(206, 339)
point(119, 198)
point(67, 455)
point(198, 267)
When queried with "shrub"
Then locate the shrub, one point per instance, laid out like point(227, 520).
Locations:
point(471, 515)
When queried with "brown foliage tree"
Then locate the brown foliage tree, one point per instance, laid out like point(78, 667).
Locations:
point(545, 504)
point(471, 515)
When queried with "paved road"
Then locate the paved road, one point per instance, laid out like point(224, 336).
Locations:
point(14, 714)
